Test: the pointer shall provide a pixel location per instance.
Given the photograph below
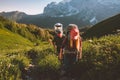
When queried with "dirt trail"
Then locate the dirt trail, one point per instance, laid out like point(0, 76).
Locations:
point(32, 73)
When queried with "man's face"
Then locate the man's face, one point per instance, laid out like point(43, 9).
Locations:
point(59, 35)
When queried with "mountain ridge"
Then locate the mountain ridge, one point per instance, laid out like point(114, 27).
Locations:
point(83, 12)
point(106, 27)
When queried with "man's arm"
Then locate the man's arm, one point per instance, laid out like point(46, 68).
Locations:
point(60, 56)
point(80, 50)
point(54, 44)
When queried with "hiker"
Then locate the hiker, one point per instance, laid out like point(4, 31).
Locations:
point(58, 37)
point(71, 49)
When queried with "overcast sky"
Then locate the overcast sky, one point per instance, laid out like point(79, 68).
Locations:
point(28, 6)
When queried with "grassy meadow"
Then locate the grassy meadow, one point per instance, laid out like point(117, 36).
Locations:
point(24, 45)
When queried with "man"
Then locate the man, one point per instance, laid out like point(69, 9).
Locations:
point(58, 37)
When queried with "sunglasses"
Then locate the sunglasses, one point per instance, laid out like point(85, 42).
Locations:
point(58, 26)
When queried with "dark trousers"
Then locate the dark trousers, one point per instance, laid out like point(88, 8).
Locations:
point(58, 50)
point(69, 60)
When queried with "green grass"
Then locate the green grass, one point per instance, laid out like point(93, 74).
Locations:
point(101, 57)
point(13, 60)
point(11, 41)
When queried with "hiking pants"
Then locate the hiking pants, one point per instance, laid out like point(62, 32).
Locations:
point(69, 60)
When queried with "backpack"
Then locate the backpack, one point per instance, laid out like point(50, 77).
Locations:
point(72, 43)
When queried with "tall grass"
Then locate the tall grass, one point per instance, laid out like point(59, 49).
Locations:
point(12, 66)
point(102, 58)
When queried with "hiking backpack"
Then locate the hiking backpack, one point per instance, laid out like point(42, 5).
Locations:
point(72, 43)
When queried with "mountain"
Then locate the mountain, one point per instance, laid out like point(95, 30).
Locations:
point(85, 10)
point(80, 12)
point(60, 10)
point(14, 15)
point(106, 27)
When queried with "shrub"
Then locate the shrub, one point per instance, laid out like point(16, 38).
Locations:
point(9, 71)
point(49, 63)
point(102, 58)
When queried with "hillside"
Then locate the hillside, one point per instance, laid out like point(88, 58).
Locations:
point(20, 36)
point(48, 22)
point(101, 57)
point(12, 41)
point(108, 26)
point(29, 31)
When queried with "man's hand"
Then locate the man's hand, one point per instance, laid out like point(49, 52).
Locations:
point(60, 55)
